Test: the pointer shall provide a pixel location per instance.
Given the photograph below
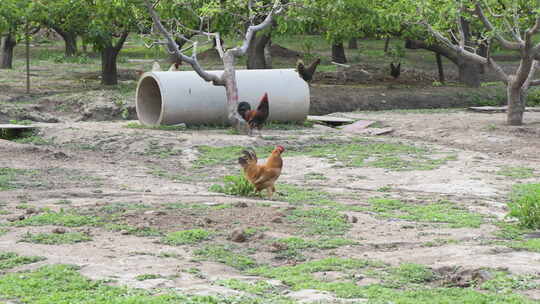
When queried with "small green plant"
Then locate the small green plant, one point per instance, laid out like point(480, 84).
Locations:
point(439, 212)
point(184, 237)
point(436, 83)
point(295, 246)
point(148, 276)
point(56, 238)
point(235, 185)
point(525, 205)
point(225, 255)
point(136, 125)
point(504, 282)
point(516, 172)
point(320, 221)
point(10, 176)
point(9, 260)
point(61, 218)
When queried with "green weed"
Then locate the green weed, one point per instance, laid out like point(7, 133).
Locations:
point(63, 284)
point(295, 246)
point(184, 237)
point(225, 255)
point(56, 238)
point(9, 177)
point(10, 260)
point(138, 231)
point(61, 218)
point(525, 205)
point(504, 282)
point(235, 185)
point(516, 172)
point(439, 212)
point(320, 221)
point(148, 276)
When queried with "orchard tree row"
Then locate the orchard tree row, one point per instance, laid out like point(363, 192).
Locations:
point(466, 32)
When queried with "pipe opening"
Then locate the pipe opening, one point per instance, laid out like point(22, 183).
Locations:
point(149, 102)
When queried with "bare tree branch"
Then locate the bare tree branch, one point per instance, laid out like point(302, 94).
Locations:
point(174, 47)
point(505, 43)
point(252, 29)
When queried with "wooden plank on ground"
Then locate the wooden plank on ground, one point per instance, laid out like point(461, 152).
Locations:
point(331, 120)
point(488, 109)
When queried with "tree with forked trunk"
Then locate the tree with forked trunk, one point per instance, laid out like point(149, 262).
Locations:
point(510, 24)
point(229, 56)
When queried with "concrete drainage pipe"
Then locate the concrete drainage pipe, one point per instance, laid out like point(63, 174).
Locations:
point(168, 98)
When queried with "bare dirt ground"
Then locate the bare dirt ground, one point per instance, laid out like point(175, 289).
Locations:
point(150, 180)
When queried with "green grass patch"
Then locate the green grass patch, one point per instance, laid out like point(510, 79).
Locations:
point(295, 246)
point(392, 156)
point(185, 237)
point(10, 260)
point(302, 195)
point(148, 276)
point(408, 274)
point(226, 255)
point(138, 231)
point(525, 205)
point(61, 218)
point(439, 212)
point(257, 288)
point(3, 231)
point(301, 276)
point(320, 221)
point(516, 172)
point(235, 185)
point(62, 284)
point(315, 176)
point(528, 244)
point(504, 282)
point(9, 177)
point(136, 125)
point(56, 238)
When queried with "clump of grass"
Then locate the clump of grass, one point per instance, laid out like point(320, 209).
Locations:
point(504, 282)
point(516, 172)
point(148, 276)
point(225, 255)
point(393, 156)
point(257, 288)
point(302, 195)
point(136, 125)
point(408, 273)
point(61, 218)
point(295, 246)
point(235, 185)
point(138, 231)
point(10, 260)
point(320, 221)
point(10, 176)
point(56, 238)
point(3, 231)
point(439, 212)
point(301, 276)
point(64, 284)
point(525, 205)
point(184, 237)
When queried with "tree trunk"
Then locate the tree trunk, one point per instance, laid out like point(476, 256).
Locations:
point(231, 90)
point(6, 51)
point(109, 73)
point(440, 67)
point(268, 54)
point(482, 51)
point(255, 52)
point(386, 44)
point(353, 44)
point(516, 104)
point(338, 53)
point(469, 73)
point(70, 40)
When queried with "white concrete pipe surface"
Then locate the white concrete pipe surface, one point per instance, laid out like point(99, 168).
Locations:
point(168, 98)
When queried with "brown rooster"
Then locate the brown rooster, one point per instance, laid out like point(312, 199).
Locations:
point(262, 176)
point(307, 73)
point(254, 118)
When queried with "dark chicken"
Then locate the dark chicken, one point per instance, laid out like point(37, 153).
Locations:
point(254, 118)
point(395, 70)
point(306, 73)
